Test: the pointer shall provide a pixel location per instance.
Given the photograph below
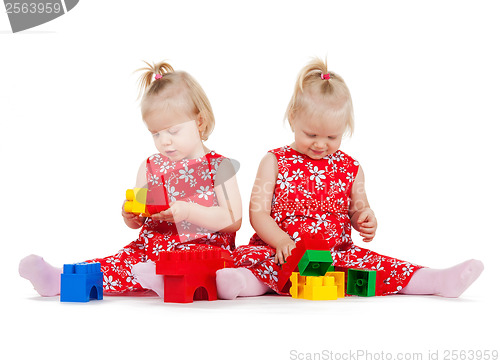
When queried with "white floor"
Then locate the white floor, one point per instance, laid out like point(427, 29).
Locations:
point(268, 329)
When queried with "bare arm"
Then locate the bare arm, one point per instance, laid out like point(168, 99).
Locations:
point(260, 209)
point(361, 215)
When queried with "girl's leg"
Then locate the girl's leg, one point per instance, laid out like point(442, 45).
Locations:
point(231, 282)
point(234, 282)
point(145, 274)
point(45, 278)
point(451, 282)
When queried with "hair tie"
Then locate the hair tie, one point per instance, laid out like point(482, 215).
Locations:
point(158, 76)
point(325, 76)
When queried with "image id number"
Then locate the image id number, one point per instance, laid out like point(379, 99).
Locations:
point(33, 8)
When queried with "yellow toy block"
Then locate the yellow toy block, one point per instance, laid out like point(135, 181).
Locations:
point(313, 288)
point(339, 282)
point(136, 201)
point(297, 288)
point(316, 289)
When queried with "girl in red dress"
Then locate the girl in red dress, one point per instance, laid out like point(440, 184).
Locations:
point(311, 186)
point(205, 204)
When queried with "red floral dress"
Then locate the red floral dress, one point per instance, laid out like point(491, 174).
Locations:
point(313, 196)
point(185, 180)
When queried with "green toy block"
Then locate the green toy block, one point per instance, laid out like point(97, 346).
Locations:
point(361, 282)
point(315, 263)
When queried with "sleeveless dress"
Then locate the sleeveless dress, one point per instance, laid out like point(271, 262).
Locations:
point(190, 180)
point(313, 196)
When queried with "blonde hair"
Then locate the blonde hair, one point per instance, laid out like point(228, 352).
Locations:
point(317, 95)
point(175, 89)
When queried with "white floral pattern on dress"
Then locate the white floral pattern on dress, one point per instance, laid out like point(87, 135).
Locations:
point(313, 196)
point(188, 180)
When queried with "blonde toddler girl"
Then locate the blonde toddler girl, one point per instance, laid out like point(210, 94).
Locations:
point(312, 187)
point(205, 204)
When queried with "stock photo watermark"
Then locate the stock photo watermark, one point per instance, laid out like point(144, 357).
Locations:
point(487, 355)
point(28, 14)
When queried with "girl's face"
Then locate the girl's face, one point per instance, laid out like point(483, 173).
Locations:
point(176, 134)
point(316, 138)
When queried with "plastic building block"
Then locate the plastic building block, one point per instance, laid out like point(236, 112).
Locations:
point(315, 263)
point(157, 198)
point(147, 201)
point(361, 282)
point(136, 201)
point(339, 282)
point(313, 288)
point(190, 275)
point(308, 242)
point(81, 282)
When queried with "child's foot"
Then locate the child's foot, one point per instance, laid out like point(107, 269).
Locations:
point(45, 278)
point(455, 280)
point(451, 282)
point(145, 274)
point(234, 282)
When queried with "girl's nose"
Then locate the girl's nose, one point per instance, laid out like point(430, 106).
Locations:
point(165, 138)
point(319, 144)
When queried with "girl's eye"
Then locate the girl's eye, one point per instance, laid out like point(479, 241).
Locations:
point(156, 135)
point(311, 135)
point(332, 137)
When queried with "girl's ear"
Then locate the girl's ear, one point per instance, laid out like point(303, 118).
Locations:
point(200, 121)
point(201, 124)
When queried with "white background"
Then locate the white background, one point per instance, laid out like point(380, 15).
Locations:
point(425, 82)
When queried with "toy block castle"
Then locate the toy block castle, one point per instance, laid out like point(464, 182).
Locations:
point(81, 282)
point(190, 275)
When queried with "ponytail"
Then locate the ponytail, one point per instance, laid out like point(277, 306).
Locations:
point(158, 78)
point(315, 78)
point(151, 73)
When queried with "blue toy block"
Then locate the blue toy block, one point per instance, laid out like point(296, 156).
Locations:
point(81, 282)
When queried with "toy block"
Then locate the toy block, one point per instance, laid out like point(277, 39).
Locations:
point(317, 289)
point(136, 201)
point(157, 198)
point(81, 282)
point(313, 288)
point(339, 278)
point(315, 263)
point(361, 282)
point(308, 242)
point(147, 201)
point(189, 275)
point(345, 271)
point(297, 288)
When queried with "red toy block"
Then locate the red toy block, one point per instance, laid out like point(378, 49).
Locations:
point(146, 202)
point(307, 242)
point(190, 274)
point(157, 198)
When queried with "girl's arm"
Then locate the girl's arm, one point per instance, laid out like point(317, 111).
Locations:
point(361, 215)
point(260, 209)
point(131, 220)
point(224, 218)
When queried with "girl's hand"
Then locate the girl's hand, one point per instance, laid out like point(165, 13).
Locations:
point(132, 220)
point(178, 211)
point(284, 250)
point(367, 225)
